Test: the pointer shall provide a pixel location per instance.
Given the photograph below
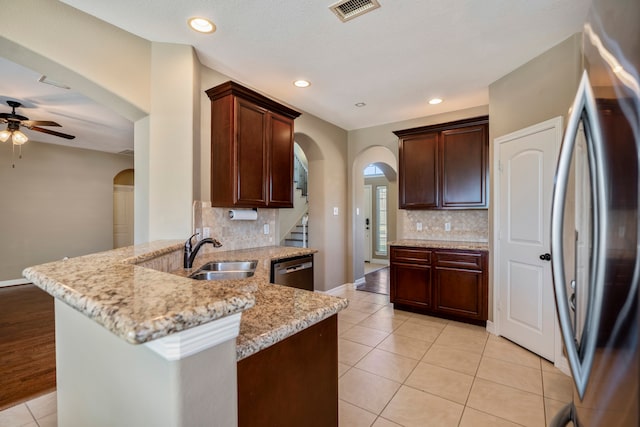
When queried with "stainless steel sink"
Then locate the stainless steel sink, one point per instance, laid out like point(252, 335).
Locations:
point(221, 275)
point(225, 270)
point(229, 266)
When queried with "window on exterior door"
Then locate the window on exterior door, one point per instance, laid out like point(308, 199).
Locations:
point(381, 223)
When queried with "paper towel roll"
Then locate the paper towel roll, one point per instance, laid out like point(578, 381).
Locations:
point(244, 214)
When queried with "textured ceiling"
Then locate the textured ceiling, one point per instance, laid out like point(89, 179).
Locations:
point(393, 59)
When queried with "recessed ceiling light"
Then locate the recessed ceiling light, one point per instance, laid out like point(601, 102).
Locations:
point(434, 101)
point(202, 25)
point(301, 83)
point(360, 104)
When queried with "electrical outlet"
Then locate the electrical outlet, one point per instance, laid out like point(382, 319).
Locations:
point(447, 226)
point(419, 226)
point(266, 229)
point(206, 232)
point(199, 234)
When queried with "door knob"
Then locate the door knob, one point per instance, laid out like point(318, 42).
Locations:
point(545, 257)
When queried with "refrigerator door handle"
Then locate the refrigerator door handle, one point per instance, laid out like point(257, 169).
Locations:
point(580, 353)
point(563, 417)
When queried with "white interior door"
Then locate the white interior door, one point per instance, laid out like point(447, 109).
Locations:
point(368, 222)
point(526, 302)
point(122, 216)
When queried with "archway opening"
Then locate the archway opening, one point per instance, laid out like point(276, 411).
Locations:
point(293, 222)
point(123, 208)
point(374, 198)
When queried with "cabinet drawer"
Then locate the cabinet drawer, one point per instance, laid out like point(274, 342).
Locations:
point(414, 255)
point(466, 260)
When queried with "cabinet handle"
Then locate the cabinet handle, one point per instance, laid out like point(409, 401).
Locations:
point(583, 109)
point(545, 257)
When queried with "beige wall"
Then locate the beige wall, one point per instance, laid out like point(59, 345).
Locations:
point(56, 202)
point(539, 90)
point(134, 77)
point(97, 59)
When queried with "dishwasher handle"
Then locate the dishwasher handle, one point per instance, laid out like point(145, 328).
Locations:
point(294, 268)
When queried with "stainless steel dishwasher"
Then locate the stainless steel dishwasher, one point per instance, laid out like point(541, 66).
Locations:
point(294, 272)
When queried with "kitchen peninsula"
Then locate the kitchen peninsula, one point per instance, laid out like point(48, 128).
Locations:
point(196, 337)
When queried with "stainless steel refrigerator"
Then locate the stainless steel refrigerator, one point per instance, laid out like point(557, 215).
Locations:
point(594, 242)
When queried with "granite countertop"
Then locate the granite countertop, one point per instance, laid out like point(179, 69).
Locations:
point(279, 311)
point(140, 304)
point(441, 244)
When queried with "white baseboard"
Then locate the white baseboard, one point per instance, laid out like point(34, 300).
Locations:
point(491, 328)
point(338, 289)
point(14, 282)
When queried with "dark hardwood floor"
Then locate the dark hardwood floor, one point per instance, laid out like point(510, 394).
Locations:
point(27, 344)
point(376, 281)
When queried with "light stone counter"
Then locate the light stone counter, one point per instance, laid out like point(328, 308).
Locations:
point(279, 311)
point(140, 294)
point(442, 244)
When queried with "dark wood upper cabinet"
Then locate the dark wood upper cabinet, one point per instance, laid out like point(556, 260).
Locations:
point(251, 149)
point(445, 166)
point(419, 164)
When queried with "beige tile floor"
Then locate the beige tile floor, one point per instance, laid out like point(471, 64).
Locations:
point(404, 369)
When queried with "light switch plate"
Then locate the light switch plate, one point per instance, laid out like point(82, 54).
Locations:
point(447, 226)
point(335, 211)
point(419, 226)
point(266, 229)
point(206, 232)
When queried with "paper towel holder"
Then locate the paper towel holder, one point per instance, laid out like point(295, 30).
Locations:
point(243, 214)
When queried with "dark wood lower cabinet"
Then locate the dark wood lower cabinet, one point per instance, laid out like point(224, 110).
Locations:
point(441, 282)
point(294, 382)
point(460, 293)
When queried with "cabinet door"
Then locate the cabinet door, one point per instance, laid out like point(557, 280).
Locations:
point(280, 184)
point(464, 157)
point(460, 292)
point(460, 283)
point(411, 285)
point(251, 154)
point(418, 177)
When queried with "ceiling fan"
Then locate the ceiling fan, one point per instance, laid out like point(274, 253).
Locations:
point(14, 121)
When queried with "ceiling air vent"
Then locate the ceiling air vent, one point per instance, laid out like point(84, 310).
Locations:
point(349, 9)
point(126, 152)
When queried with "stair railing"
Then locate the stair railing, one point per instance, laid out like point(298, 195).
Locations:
point(305, 220)
point(301, 174)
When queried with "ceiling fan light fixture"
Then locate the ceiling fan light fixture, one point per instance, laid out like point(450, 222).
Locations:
point(19, 138)
point(5, 135)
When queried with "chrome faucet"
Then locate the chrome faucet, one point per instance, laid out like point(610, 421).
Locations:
point(190, 254)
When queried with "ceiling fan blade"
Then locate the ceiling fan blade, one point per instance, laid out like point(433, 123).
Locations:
point(39, 123)
point(51, 132)
point(6, 115)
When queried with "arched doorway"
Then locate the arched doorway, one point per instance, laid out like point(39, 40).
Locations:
point(123, 208)
point(386, 162)
point(293, 221)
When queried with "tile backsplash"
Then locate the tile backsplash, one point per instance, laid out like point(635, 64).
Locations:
point(466, 225)
point(234, 234)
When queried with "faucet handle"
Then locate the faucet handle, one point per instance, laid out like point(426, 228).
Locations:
point(187, 244)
